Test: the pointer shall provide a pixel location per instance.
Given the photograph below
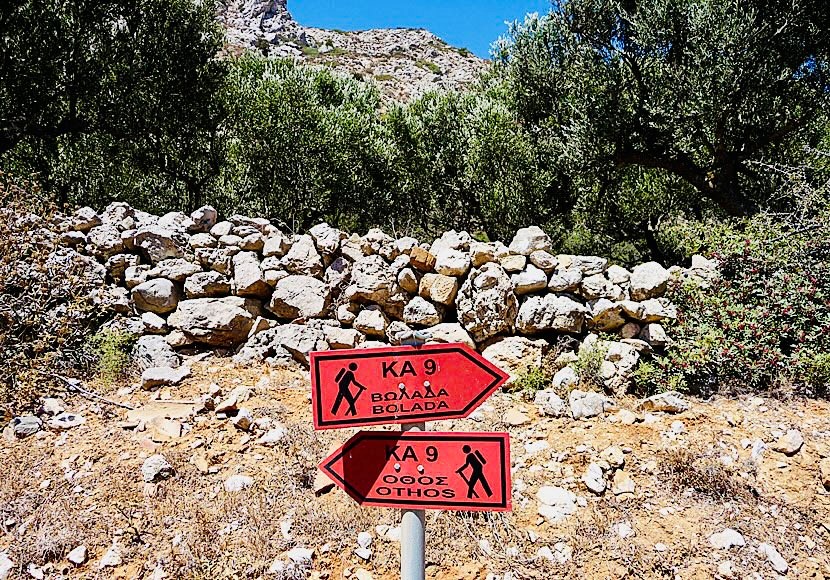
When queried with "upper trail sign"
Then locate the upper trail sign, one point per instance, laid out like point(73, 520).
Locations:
point(426, 470)
point(399, 384)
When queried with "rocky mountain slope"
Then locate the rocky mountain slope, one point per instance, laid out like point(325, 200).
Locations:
point(404, 62)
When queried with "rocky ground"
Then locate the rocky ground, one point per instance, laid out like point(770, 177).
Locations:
point(404, 62)
point(216, 478)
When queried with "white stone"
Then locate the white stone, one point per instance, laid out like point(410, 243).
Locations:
point(648, 280)
point(594, 479)
point(774, 558)
point(486, 303)
point(449, 262)
point(551, 312)
point(420, 312)
point(237, 483)
point(371, 321)
point(557, 503)
point(155, 468)
point(528, 240)
point(77, 556)
point(111, 558)
point(726, 539)
point(300, 296)
point(531, 279)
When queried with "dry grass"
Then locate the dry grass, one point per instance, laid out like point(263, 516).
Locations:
point(697, 470)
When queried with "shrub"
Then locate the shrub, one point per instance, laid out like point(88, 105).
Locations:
point(531, 380)
point(111, 349)
point(589, 366)
point(49, 299)
point(764, 325)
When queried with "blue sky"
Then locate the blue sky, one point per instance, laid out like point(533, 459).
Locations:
point(469, 24)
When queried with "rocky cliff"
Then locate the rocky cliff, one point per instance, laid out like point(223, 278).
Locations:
point(403, 62)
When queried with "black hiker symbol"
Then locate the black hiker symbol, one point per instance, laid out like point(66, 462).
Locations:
point(345, 379)
point(475, 461)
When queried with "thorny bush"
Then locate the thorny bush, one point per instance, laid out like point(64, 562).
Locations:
point(50, 299)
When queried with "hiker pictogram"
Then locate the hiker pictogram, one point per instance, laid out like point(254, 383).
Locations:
point(475, 461)
point(345, 379)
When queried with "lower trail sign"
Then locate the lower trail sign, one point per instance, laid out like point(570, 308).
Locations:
point(424, 470)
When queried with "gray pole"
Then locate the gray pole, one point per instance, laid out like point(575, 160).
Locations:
point(413, 566)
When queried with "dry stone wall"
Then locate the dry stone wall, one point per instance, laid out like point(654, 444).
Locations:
point(243, 285)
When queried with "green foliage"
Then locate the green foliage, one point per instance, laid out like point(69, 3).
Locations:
point(304, 145)
point(695, 90)
point(765, 324)
point(589, 366)
point(104, 99)
point(111, 350)
point(428, 65)
point(532, 380)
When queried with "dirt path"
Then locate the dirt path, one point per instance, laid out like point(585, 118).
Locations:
point(693, 475)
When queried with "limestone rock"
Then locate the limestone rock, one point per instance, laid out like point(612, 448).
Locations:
point(342, 337)
point(450, 262)
point(25, 426)
point(824, 472)
point(774, 558)
point(203, 219)
point(247, 276)
point(556, 503)
point(594, 479)
point(438, 288)
point(668, 402)
point(512, 263)
point(420, 312)
point(422, 259)
point(216, 321)
point(371, 321)
point(237, 483)
point(450, 332)
point(408, 280)
point(158, 243)
point(648, 280)
point(84, 219)
point(606, 316)
point(528, 240)
point(790, 443)
point(486, 303)
point(303, 258)
point(549, 403)
point(726, 539)
point(552, 312)
point(515, 354)
point(588, 404)
point(565, 379)
point(326, 238)
point(654, 334)
point(276, 245)
point(153, 351)
point(622, 483)
point(105, 241)
point(297, 340)
point(372, 280)
point(614, 456)
point(175, 269)
point(163, 376)
point(544, 260)
point(158, 295)
point(531, 279)
point(300, 297)
point(77, 556)
point(207, 285)
point(155, 468)
point(588, 265)
point(565, 281)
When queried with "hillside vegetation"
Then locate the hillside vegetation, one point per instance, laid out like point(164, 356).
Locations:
point(634, 130)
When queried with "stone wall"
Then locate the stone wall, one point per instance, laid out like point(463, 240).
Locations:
point(242, 284)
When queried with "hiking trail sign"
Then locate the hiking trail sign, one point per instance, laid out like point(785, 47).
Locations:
point(424, 470)
point(356, 387)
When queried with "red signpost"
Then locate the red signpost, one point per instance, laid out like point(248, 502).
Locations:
point(415, 470)
point(412, 469)
point(351, 388)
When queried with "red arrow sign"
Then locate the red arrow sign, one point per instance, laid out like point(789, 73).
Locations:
point(401, 384)
point(444, 471)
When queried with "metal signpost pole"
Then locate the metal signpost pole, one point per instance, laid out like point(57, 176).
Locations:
point(413, 537)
